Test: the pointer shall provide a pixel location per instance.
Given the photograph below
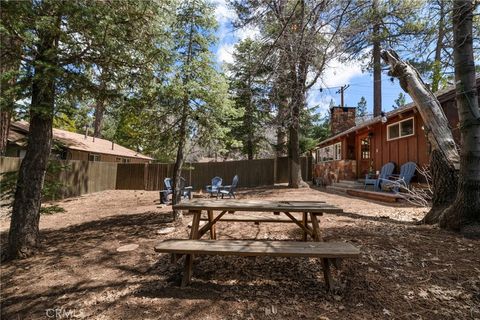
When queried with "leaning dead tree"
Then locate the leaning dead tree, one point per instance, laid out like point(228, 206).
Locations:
point(444, 157)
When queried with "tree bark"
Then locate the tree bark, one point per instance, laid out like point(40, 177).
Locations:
point(23, 238)
point(464, 214)
point(99, 112)
point(4, 129)
point(295, 173)
point(445, 158)
point(377, 67)
point(437, 63)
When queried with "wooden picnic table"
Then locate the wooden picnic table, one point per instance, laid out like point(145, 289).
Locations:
point(196, 206)
point(314, 208)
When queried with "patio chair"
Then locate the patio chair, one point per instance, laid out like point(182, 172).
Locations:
point(215, 187)
point(230, 190)
point(186, 191)
point(376, 182)
point(402, 180)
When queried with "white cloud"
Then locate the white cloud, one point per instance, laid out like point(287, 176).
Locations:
point(251, 32)
point(223, 13)
point(322, 100)
point(225, 53)
point(339, 73)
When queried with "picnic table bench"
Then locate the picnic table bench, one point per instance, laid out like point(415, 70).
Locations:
point(318, 249)
point(272, 248)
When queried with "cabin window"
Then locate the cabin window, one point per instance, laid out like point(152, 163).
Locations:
point(337, 151)
point(93, 157)
point(329, 153)
point(401, 129)
point(125, 160)
point(365, 148)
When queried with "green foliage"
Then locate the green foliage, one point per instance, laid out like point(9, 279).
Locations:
point(250, 89)
point(53, 188)
point(399, 21)
point(314, 128)
point(361, 107)
point(400, 101)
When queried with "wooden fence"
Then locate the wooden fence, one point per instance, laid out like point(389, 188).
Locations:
point(78, 177)
point(82, 177)
point(252, 173)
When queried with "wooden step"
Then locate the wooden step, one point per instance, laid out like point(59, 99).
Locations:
point(380, 196)
point(259, 248)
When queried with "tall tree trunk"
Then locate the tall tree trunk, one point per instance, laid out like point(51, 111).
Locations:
point(464, 213)
point(249, 119)
point(4, 129)
point(99, 112)
point(377, 67)
point(437, 63)
point(445, 158)
point(281, 97)
point(282, 141)
point(177, 167)
point(23, 238)
point(182, 134)
point(295, 173)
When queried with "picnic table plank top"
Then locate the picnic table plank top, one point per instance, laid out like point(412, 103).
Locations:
point(257, 205)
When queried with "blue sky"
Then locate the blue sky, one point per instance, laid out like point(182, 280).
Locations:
point(336, 75)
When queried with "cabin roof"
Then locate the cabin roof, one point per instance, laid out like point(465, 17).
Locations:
point(75, 141)
point(442, 95)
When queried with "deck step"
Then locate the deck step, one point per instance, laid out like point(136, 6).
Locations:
point(337, 189)
point(380, 196)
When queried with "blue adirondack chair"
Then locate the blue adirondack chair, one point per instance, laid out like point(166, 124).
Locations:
point(186, 191)
point(385, 172)
point(230, 190)
point(402, 180)
point(215, 187)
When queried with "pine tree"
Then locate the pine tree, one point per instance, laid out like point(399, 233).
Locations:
point(61, 42)
point(373, 24)
point(361, 108)
point(250, 89)
point(199, 92)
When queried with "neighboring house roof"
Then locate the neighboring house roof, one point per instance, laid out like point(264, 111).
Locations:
point(76, 141)
point(442, 95)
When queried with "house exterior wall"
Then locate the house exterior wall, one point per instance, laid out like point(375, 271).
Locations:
point(83, 155)
point(411, 148)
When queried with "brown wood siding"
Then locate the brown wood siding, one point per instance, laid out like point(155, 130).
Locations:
point(83, 155)
point(399, 151)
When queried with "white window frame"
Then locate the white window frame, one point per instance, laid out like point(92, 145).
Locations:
point(96, 157)
point(399, 124)
point(335, 150)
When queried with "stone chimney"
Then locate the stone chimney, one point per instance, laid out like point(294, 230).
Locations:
point(341, 119)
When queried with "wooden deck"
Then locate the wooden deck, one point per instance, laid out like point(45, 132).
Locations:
point(379, 196)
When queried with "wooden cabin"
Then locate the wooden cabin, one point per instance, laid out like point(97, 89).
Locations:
point(73, 146)
point(357, 148)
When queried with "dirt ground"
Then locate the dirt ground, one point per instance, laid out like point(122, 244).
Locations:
point(406, 271)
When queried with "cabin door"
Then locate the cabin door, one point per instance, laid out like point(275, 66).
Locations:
point(364, 155)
